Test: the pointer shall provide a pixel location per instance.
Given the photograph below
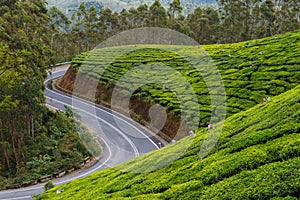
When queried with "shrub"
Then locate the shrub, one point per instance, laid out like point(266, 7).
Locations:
point(49, 185)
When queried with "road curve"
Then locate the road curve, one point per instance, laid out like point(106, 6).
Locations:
point(121, 138)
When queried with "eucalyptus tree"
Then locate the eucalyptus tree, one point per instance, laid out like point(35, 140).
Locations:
point(8, 105)
point(78, 33)
point(268, 18)
point(59, 28)
point(204, 25)
point(235, 16)
point(176, 20)
point(142, 15)
point(124, 23)
point(115, 24)
point(175, 10)
point(105, 22)
point(289, 16)
point(92, 28)
point(157, 15)
point(24, 53)
point(133, 18)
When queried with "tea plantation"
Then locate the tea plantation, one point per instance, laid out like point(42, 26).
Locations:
point(250, 71)
point(257, 157)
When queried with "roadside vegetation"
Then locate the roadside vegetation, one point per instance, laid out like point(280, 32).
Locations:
point(34, 141)
point(56, 147)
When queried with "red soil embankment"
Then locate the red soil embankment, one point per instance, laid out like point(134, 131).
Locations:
point(139, 108)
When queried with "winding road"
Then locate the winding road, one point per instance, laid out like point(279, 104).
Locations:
point(121, 138)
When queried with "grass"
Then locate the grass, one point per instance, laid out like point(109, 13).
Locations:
point(257, 157)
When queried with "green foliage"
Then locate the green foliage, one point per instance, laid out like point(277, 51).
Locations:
point(66, 5)
point(24, 52)
point(257, 157)
point(226, 23)
point(36, 142)
point(49, 185)
point(89, 142)
point(57, 147)
point(274, 71)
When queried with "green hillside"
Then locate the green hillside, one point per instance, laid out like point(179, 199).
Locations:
point(257, 154)
point(257, 157)
point(250, 71)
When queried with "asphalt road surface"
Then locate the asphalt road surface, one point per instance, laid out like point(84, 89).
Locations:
point(120, 137)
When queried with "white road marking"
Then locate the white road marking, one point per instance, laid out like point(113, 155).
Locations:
point(107, 123)
point(26, 197)
point(99, 108)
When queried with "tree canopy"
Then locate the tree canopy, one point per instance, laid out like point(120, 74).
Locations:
point(29, 132)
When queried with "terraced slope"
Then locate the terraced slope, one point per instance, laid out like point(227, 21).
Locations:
point(257, 157)
point(250, 71)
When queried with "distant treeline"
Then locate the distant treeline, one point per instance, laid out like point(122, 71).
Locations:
point(232, 21)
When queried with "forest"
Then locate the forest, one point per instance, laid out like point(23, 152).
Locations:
point(32, 39)
point(232, 21)
point(34, 141)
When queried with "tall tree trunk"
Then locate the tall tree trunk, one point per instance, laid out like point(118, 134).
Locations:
point(32, 126)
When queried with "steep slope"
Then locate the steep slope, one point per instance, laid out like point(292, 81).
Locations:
point(250, 71)
point(256, 157)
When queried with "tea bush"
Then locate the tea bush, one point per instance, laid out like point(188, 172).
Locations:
point(250, 70)
point(257, 157)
